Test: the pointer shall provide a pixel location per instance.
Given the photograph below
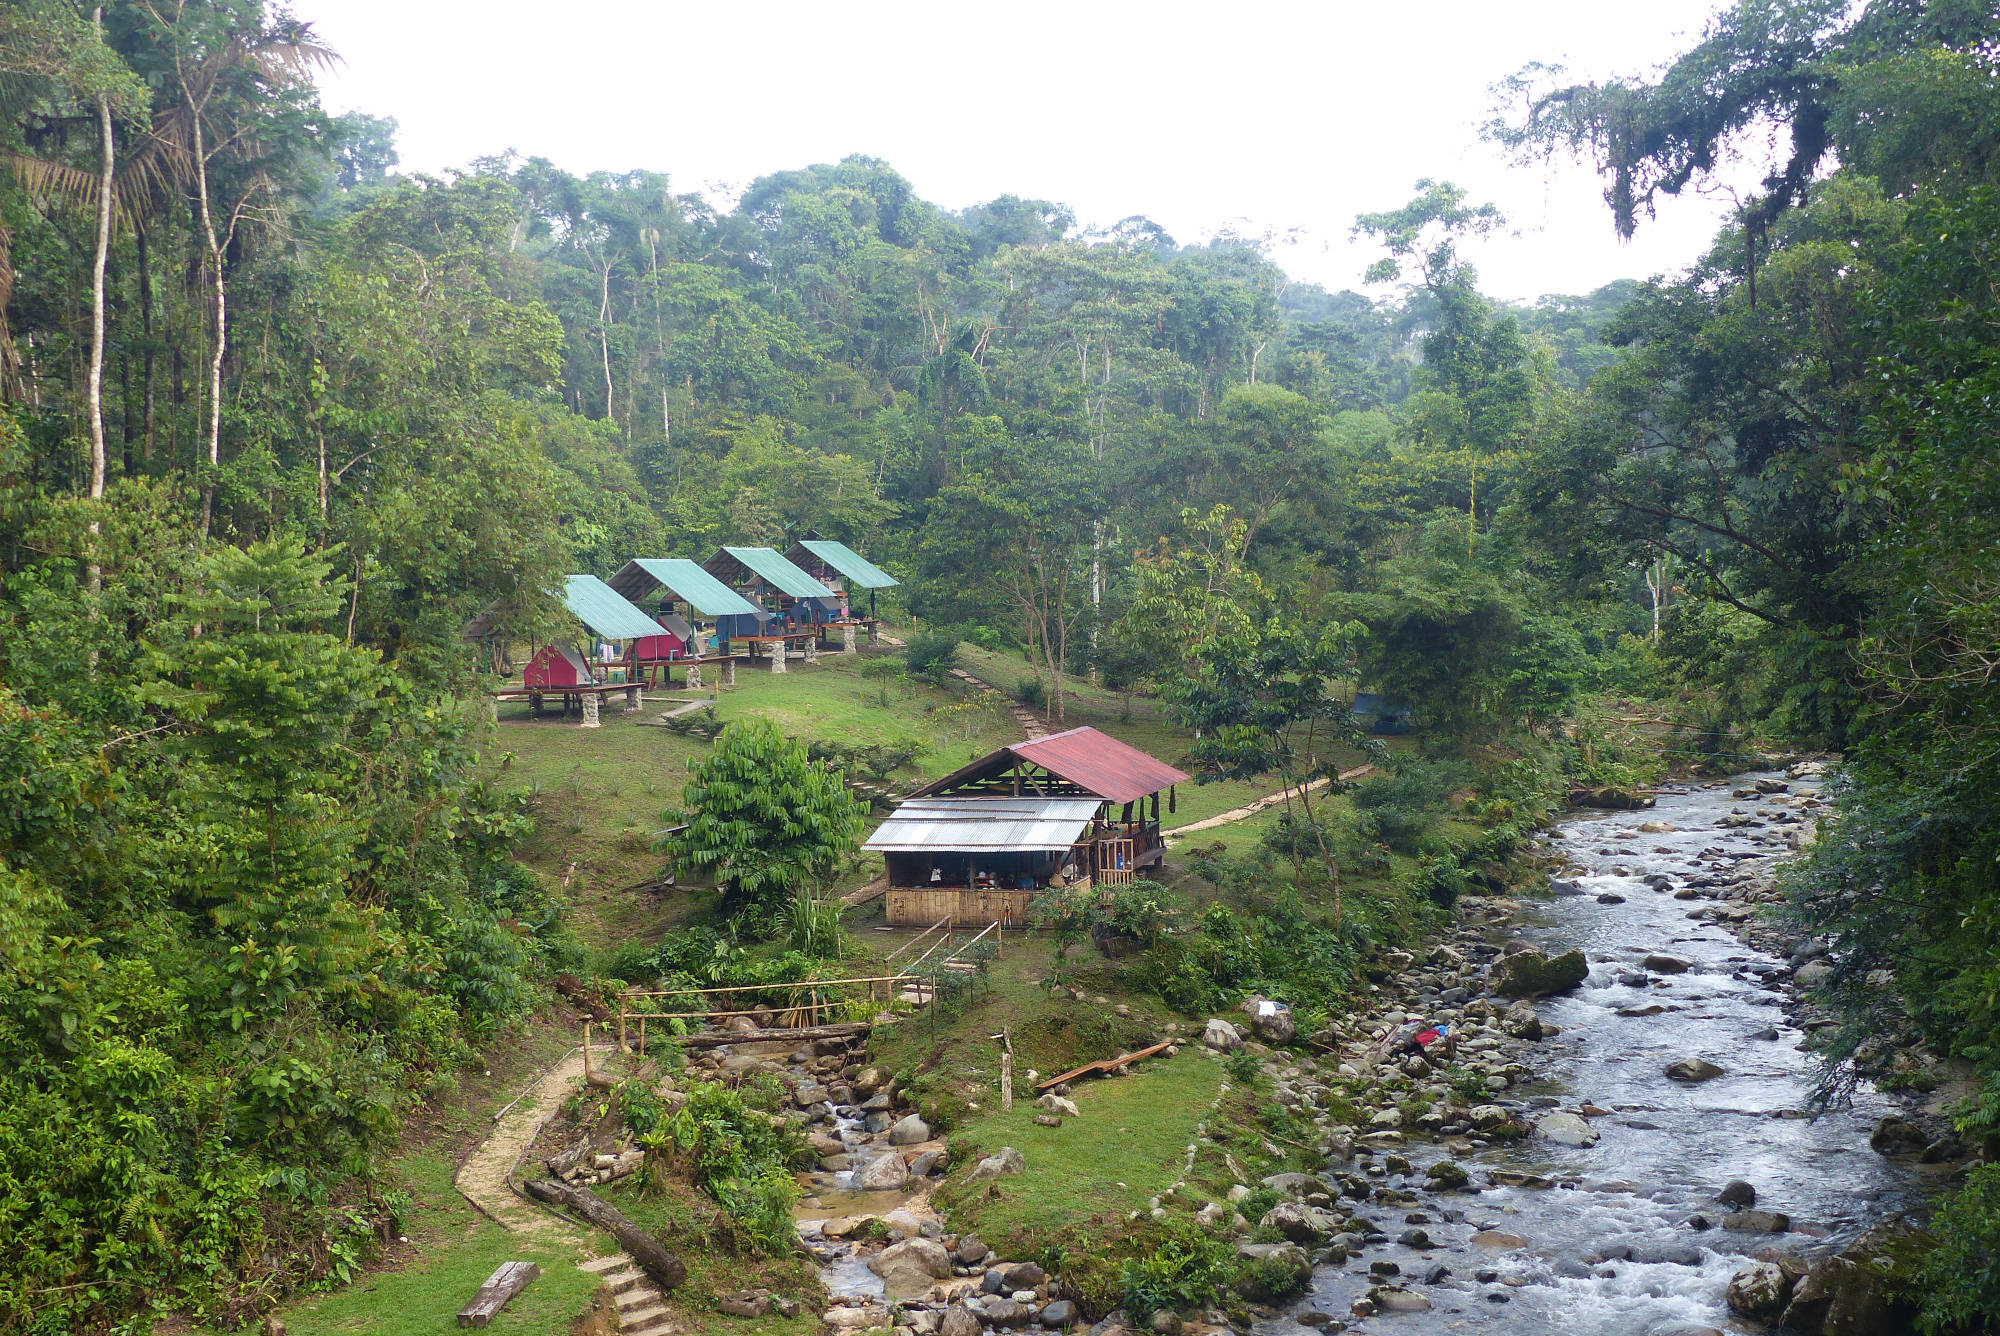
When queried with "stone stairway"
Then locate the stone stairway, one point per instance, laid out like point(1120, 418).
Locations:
point(1026, 719)
point(642, 1309)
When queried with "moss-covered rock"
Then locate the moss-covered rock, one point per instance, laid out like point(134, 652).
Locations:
point(1532, 974)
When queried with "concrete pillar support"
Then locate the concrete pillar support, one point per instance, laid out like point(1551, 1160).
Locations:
point(847, 639)
point(728, 678)
point(694, 677)
point(590, 709)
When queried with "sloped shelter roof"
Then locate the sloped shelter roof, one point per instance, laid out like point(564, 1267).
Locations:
point(685, 580)
point(860, 572)
point(983, 825)
point(768, 564)
point(601, 608)
point(1093, 762)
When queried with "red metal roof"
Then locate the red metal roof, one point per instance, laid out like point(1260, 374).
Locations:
point(1095, 762)
point(1099, 763)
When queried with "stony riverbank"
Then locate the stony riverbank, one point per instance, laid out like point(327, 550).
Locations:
point(1608, 1124)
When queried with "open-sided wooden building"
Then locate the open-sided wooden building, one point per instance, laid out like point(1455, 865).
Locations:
point(762, 575)
point(841, 569)
point(686, 596)
point(1079, 809)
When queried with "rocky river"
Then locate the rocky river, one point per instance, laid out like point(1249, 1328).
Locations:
point(1643, 1160)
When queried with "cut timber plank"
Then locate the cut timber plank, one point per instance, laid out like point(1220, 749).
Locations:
point(1107, 1065)
point(506, 1282)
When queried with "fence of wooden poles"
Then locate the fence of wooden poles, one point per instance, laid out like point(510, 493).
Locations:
point(809, 1003)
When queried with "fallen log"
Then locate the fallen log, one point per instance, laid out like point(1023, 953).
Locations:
point(720, 1038)
point(506, 1282)
point(656, 1261)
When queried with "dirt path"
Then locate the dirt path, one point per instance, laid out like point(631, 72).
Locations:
point(1251, 809)
point(483, 1177)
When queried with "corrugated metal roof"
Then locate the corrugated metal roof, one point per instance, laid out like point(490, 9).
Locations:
point(678, 625)
point(686, 580)
point(864, 573)
point(1095, 762)
point(604, 610)
point(770, 564)
point(983, 825)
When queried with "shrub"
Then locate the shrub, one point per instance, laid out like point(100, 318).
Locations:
point(1032, 692)
point(1959, 1284)
point(1407, 805)
point(1188, 1268)
point(932, 655)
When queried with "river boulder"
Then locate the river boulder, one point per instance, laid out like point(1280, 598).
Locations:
point(909, 1131)
point(1221, 1036)
point(1760, 1290)
point(1566, 1129)
point(885, 1173)
point(1529, 973)
point(1300, 1223)
point(1693, 1070)
point(1853, 1293)
point(1270, 1271)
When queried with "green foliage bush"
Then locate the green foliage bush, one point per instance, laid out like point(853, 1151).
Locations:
point(740, 1156)
point(931, 655)
point(1184, 1267)
point(1959, 1283)
point(1032, 692)
point(1405, 806)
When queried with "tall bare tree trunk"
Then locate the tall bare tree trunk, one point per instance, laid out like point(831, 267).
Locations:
point(94, 576)
point(221, 329)
point(96, 391)
point(604, 337)
point(146, 323)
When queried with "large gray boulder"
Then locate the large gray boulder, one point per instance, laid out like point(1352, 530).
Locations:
point(1566, 1129)
point(908, 1269)
point(885, 1173)
point(1272, 1021)
point(1300, 1223)
point(1760, 1290)
point(1693, 1070)
point(909, 1131)
point(1221, 1036)
point(1270, 1271)
point(1531, 974)
point(1001, 1162)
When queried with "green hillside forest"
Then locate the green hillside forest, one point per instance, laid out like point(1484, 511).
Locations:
point(277, 420)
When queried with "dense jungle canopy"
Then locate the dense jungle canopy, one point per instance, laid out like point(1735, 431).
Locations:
point(276, 420)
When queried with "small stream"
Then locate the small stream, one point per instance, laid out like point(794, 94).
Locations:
point(1610, 1249)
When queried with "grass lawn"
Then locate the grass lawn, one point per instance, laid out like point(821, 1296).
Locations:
point(1128, 1146)
point(453, 1250)
point(600, 794)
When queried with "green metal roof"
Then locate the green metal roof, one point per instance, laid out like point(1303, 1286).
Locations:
point(688, 582)
point(770, 565)
point(864, 573)
point(601, 608)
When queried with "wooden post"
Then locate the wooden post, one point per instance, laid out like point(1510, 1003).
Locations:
point(586, 1051)
point(1006, 1082)
point(642, 1038)
point(621, 1027)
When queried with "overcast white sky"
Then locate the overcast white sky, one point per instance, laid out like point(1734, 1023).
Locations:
point(1258, 117)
